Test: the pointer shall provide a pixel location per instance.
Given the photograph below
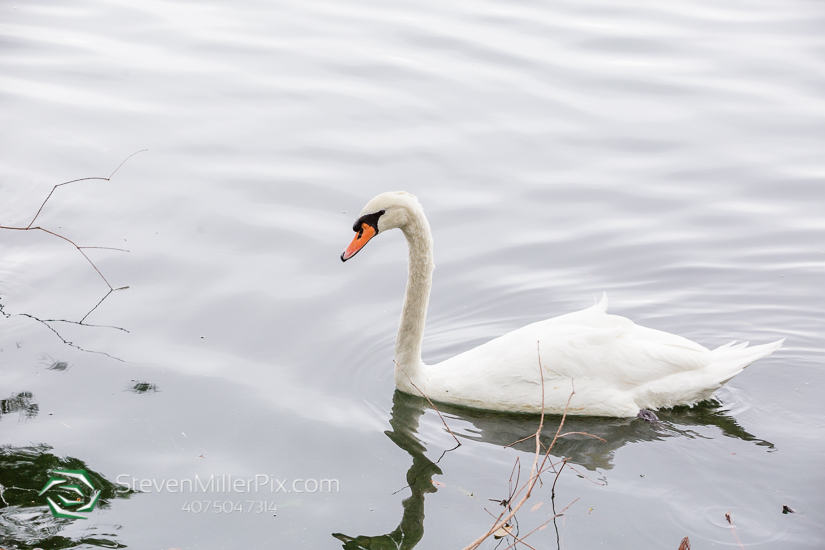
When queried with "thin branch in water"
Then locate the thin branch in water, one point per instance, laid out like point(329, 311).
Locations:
point(447, 451)
point(458, 443)
point(512, 487)
point(99, 178)
point(521, 540)
point(553, 488)
point(543, 524)
point(100, 302)
point(585, 477)
point(31, 227)
point(69, 343)
point(536, 469)
point(104, 248)
point(531, 436)
point(583, 433)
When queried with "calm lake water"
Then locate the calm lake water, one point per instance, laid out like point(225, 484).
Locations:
point(670, 154)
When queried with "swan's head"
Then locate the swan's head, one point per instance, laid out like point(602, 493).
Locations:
point(386, 211)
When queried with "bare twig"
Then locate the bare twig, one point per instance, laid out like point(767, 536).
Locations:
point(543, 524)
point(531, 436)
point(46, 322)
point(430, 402)
point(583, 433)
point(94, 308)
point(585, 477)
point(81, 179)
point(553, 488)
point(31, 227)
point(536, 469)
point(513, 486)
point(521, 540)
point(79, 248)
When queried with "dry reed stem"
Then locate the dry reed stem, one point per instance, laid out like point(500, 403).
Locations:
point(535, 471)
point(521, 540)
point(733, 530)
point(542, 525)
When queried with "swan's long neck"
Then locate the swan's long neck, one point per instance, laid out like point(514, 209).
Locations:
point(416, 299)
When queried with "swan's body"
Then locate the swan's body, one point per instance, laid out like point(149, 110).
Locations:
point(616, 367)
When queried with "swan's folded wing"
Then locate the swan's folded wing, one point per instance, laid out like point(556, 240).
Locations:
point(616, 350)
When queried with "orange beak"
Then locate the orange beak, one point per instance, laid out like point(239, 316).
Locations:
point(361, 239)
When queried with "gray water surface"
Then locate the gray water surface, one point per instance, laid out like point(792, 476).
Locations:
point(668, 154)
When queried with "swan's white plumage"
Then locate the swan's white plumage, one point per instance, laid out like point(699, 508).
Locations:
point(616, 366)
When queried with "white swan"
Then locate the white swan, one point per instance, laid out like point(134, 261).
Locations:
point(618, 368)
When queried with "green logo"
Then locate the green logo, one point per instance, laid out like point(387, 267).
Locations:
point(74, 491)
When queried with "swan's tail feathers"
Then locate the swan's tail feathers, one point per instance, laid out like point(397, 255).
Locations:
point(601, 305)
point(731, 359)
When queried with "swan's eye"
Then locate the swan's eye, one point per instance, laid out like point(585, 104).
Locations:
point(369, 219)
point(365, 229)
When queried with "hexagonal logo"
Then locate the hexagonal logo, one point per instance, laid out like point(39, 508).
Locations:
point(74, 494)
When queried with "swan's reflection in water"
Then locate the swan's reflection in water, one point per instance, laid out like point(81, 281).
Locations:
point(503, 429)
point(406, 411)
